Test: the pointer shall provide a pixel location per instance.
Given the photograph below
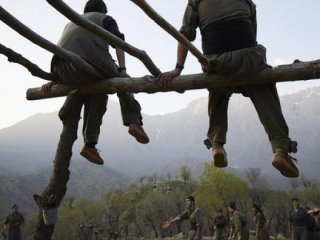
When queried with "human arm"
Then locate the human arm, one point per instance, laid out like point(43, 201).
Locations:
point(47, 86)
point(168, 223)
point(122, 62)
point(166, 77)
point(111, 26)
point(188, 29)
point(6, 222)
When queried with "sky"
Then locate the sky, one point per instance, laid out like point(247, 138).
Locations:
point(289, 29)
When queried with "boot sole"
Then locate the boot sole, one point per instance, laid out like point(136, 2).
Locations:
point(283, 167)
point(137, 135)
point(87, 156)
point(219, 160)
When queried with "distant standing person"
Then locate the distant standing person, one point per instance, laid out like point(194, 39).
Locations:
point(13, 223)
point(238, 225)
point(298, 221)
point(220, 223)
point(260, 223)
point(195, 217)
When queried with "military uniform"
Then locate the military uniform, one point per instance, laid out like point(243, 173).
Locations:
point(261, 228)
point(228, 30)
point(220, 223)
point(238, 228)
point(95, 51)
point(317, 226)
point(298, 223)
point(195, 219)
point(13, 222)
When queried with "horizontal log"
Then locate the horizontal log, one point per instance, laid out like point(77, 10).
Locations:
point(282, 73)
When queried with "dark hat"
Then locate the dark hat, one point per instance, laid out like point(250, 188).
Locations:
point(232, 205)
point(95, 6)
point(191, 198)
point(14, 206)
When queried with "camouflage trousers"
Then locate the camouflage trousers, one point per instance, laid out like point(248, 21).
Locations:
point(299, 233)
point(95, 104)
point(263, 96)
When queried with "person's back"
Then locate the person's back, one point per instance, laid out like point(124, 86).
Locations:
point(95, 51)
point(87, 45)
point(220, 223)
point(215, 11)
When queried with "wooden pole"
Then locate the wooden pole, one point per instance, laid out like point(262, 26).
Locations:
point(32, 68)
point(171, 30)
point(22, 29)
point(291, 72)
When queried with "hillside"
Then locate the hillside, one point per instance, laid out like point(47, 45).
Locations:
point(27, 148)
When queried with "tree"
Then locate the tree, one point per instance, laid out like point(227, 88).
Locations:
point(185, 174)
point(258, 189)
point(217, 187)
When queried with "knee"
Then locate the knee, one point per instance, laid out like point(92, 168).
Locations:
point(67, 116)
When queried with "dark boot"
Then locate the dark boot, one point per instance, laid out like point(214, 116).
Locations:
point(282, 161)
point(92, 155)
point(219, 155)
point(137, 131)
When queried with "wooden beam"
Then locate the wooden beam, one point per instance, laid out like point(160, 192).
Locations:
point(34, 69)
point(165, 25)
point(291, 72)
point(26, 32)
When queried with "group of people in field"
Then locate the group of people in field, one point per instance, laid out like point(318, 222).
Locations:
point(303, 223)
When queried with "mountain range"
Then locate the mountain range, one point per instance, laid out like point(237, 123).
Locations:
point(176, 139)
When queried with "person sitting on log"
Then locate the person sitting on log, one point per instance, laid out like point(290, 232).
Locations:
point(228, 31)
point(95, 51)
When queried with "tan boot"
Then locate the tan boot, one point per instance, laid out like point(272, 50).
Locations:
point(282, 161)
point(219, 156)
point(137, 131)
point(92, 155)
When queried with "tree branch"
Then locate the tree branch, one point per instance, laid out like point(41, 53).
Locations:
point(26, 32)
point(148, 84)
point(32, 68)
point(110, 38)
point(170, 29)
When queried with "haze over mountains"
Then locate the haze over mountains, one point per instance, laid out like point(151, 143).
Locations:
point(27, 148)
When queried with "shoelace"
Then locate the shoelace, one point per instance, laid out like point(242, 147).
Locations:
point(293, 159)
point(95, 150)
